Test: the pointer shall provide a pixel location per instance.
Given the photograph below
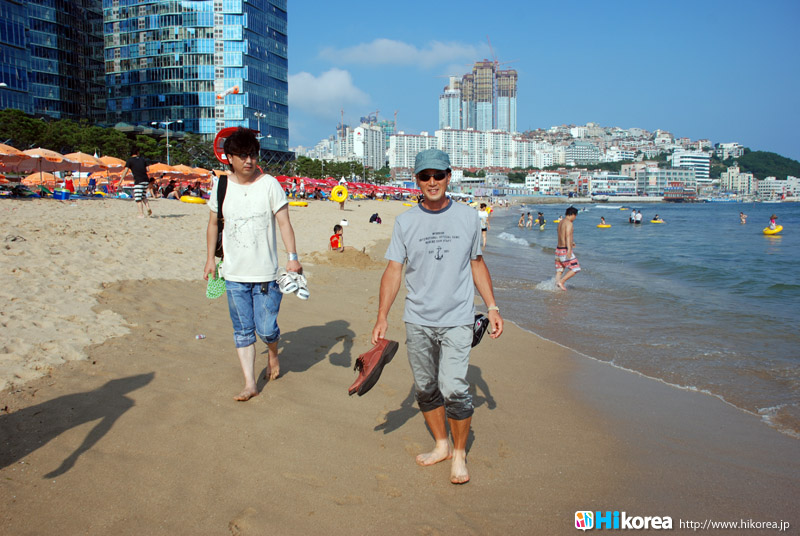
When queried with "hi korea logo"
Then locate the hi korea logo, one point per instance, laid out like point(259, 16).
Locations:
point(584, 520)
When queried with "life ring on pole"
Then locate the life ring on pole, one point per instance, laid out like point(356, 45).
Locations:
point(219, 141)
point(339, 193)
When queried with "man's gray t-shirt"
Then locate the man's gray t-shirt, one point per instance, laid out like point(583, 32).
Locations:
point(438, 247)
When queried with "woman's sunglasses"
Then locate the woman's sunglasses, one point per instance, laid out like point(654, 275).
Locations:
point(438, 176)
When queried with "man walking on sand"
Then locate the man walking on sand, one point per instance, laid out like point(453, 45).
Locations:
point(138, 166)
point(440, 241)
point(254, 209)
point(565, 258)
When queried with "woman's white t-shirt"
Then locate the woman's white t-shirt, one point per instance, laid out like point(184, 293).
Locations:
point(249, 235)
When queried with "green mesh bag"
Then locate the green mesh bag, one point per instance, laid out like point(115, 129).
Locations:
point(216, 284)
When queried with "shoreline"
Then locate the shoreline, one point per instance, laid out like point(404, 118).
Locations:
point(763, 418)
point(143, 434)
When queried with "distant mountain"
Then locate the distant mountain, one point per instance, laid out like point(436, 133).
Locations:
point(763, 164)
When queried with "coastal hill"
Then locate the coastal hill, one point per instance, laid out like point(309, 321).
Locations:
point(763, 164)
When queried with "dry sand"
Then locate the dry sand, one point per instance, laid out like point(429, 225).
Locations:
point(136, 431)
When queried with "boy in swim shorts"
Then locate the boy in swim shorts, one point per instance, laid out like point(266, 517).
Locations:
point(565, 258)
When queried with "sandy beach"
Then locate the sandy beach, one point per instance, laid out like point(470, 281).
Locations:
point(114, 418)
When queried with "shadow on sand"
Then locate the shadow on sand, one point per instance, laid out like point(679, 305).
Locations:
point(28, 429)
point(301, 349)
point(396, 418)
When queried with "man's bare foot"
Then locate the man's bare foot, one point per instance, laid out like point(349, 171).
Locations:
point(246, 395)
point(440, 453)
point(458, 469)
point(273, 369)
point(560, 285)
point(149, 212)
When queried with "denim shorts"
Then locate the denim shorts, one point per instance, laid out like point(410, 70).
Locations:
point(254, 312)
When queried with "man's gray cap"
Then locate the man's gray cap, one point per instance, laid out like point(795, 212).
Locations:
point(431, 159)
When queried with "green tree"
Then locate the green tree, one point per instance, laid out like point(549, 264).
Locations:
point(764, 164)
point(20, 130)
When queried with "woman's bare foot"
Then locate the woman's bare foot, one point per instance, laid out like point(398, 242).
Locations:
point(273, 368)
point(246, 395)
point(560, 285)
point(439, 453)
point(458, 469)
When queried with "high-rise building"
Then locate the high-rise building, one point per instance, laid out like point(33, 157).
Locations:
point(484, 79)
point(369, 146)
point(51, 58)
point(450, 105)
point(403, 149)
point(14, 57)
point(506, 100)
point(469, 110)
point(487, 100)
point(168, 61)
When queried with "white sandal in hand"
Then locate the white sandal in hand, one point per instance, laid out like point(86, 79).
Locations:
point(302, 286)
point(286, 283)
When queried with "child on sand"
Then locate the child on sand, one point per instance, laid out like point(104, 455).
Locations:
point(337, 241)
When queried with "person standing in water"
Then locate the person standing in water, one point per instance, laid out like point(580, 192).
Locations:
point(565, 257)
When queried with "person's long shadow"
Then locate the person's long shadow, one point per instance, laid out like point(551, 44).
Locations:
point(28, 429)
point(396, 418)
point(301, 349)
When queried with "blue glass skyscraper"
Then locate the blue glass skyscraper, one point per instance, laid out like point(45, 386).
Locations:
point(51, 58)
point(171, 60)
point(14, 57)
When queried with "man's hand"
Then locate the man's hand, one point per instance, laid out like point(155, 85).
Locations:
point(496, 323)
point(379, 331)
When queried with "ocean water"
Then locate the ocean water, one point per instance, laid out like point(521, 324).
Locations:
point(700, 302)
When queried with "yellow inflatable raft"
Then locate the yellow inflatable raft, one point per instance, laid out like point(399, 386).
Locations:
point(776, 230)
point(603, 225)
point(193, 199)
point(298, 203)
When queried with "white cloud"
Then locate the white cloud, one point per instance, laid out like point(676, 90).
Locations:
point(390, 52)
point(325, 95)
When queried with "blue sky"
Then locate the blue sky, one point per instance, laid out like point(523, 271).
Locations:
point(723, 70)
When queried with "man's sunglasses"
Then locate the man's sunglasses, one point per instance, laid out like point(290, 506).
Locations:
point(438, 176)
point(243, 156)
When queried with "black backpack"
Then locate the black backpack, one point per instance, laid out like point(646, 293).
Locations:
point(221, 187)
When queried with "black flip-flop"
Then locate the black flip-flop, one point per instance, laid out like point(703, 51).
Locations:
point(479, 328)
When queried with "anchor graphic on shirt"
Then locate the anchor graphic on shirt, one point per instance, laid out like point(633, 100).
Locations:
point(438, 255)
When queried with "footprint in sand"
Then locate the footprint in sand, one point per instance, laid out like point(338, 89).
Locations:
point(348, 500)
point(503, 451)
point(412, 447)
point(386, 488)
point(387, 391)
point(244, 523)
point(427, 530)
point(310, 480)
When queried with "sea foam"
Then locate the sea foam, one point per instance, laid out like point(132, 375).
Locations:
point(508, 237)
